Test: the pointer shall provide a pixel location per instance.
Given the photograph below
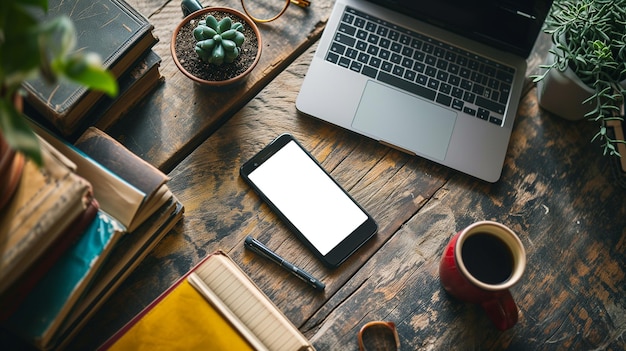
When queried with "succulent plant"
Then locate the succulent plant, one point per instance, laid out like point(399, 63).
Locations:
point(218, 42)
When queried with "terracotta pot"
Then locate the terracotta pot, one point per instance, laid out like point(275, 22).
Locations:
point(234, 14)
point(11, 166)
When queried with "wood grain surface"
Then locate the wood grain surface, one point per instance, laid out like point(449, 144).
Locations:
point(556, 193)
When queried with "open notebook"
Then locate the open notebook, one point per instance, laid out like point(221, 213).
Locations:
point(214, 307)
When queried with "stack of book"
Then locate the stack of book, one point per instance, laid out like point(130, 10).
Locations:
point(124, 39)
point(74, 230)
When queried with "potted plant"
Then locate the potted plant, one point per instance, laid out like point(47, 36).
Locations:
point(216, 46)
point(31, 46)
point(585, 74)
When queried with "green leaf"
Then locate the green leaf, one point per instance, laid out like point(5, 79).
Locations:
point(87, 70)
point(18, 133)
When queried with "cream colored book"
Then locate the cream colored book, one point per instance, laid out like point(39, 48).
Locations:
point(216, 305)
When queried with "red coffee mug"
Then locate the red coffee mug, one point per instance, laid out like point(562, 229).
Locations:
point(480, 264)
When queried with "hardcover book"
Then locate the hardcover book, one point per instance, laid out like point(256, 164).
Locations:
point(46, 203)
point(139, 195)
point(110, 28)
point(44, 308)
point(216, 306)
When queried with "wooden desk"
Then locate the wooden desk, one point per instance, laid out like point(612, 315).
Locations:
point(555, 192)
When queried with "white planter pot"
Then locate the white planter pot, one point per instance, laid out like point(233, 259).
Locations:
point(563, 93)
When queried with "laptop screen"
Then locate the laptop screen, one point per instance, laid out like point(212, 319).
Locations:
point(510, 25)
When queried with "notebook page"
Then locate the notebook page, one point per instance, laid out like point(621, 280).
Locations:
point(250, 305)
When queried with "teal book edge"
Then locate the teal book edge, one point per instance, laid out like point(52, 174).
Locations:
point(42, 309)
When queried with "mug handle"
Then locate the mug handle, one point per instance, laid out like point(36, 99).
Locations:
point(502, 310)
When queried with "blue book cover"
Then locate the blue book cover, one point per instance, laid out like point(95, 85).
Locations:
point(45, 307)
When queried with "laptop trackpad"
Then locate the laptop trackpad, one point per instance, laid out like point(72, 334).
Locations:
point(405, 121)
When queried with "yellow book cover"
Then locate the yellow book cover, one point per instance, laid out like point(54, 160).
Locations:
point(214, 307)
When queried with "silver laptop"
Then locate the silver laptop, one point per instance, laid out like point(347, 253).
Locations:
point(439, 79)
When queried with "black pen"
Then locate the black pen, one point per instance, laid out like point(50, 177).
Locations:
point(262, 250)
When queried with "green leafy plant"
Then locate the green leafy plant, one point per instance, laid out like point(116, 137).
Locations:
point(589, 37)
point(218, 42)
point(31, 46)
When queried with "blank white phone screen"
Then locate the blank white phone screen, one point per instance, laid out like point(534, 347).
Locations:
point(303, 192)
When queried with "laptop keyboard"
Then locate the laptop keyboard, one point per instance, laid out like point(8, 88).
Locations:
point(421, 65)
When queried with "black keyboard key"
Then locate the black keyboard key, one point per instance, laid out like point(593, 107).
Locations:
point(395, 58)
point(416, 44)
point(361, 45)
point(332, 57)
point(384, 54)
point(407, 63)
point(433, 84)
point(356, 66)
point(337, 48)
point(457, 93)
point(361, 34)
point(363, 57)
point(431, 60)
point(375, 62)
point(410, 87)
point(359, 22)
point(490, 105)
point(398, 71)
point(347, 29)
point(495, 120)
point(371, 27)
point(345, 40)
point(386, 66)
point(347, 18)
point(457, 104)
point(442, 76)
point(454, 80)
point(454, 69)
point(373, 39)
point(444, 99)
point(483, 114)
point(351, 53)
point(369, 71)
point(466, 84)
point(469, 111)
point(431, 71)
point(469, 97)
point(385, 43)
point(445, 88)
point(405, 39)
point(372, 50)
point(344, 62)
point(410, 75)
point(419, 67)
point(422, 79)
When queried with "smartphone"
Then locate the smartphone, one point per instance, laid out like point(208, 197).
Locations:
point(312, 204)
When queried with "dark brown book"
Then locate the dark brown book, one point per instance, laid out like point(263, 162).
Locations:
point(115, 157)
point(110, 28)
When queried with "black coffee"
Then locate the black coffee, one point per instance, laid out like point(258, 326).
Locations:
point(487, 258)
